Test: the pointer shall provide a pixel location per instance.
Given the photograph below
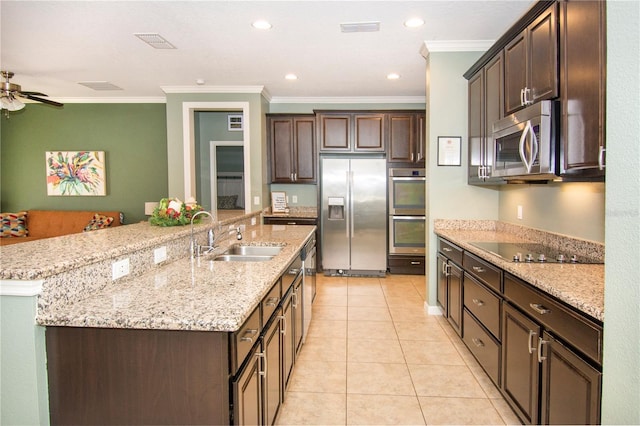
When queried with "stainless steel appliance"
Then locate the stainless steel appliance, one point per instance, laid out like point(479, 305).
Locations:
point(354, 226)
point(407, 194)
point(525, 143)
point(533, 253)
point(308, 283)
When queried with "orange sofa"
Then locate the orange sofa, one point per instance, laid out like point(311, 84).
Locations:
point(54, 223)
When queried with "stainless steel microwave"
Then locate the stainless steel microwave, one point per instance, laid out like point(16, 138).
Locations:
point(525, 143)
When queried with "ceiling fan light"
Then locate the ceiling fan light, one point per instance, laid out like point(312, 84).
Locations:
point(11, 104)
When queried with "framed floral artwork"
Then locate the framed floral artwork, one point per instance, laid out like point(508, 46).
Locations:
point(72, 173)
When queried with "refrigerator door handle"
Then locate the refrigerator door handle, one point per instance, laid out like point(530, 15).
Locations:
point(348, 203)
point(351, 219)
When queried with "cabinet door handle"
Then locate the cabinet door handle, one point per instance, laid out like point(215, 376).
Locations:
point(532, 335)
point(272, 301)
point(246, 337)
point(478, 302)
point(294, 298)
point(479, 343)
point(414, 262)
point(539, 308)
point(479, 269)
point(540, 343)
point(601, 152)
point(447, 249)
point(283, 319)
point(262, 371)
point(294, 271)
point(446, 269)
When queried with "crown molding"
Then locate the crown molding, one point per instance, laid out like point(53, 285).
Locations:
point(111, 100)
point(212, 89)
point(349, 100)
point(431, 46)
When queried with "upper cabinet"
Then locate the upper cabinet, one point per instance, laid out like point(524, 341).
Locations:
point(531, 63)
point(406, 137)
point(557, 51)
point(292, 148)
point(486, 95)
point(582, 87)
point(351, 131)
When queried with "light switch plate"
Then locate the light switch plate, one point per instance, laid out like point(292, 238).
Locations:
point(160, 254)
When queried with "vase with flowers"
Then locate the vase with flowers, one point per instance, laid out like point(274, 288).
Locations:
point(173, 212)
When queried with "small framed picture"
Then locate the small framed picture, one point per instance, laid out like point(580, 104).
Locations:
point(449, 150)
point(234, 122)
point(278, 202)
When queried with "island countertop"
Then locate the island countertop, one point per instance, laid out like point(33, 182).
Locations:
point(186, 294)
point(580, 286)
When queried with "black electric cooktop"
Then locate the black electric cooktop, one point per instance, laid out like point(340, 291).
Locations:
point(532, 253)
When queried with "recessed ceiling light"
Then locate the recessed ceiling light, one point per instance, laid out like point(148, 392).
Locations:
point(291, 77)
point(261, 25)
point(393, 76)
point(413, 22)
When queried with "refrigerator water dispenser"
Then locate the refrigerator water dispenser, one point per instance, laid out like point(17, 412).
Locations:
point(336, 208)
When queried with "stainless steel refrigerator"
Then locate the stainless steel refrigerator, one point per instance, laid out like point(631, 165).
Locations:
point(354, 226)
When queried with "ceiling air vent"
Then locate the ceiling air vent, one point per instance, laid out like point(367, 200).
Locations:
point(155, 40)
point(360, 27)
point(99, 85)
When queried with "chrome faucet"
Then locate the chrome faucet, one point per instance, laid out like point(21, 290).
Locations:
point(196, 249)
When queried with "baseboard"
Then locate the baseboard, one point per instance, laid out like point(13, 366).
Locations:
point(432, 310)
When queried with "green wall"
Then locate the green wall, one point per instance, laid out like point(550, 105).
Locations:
point(133, 137)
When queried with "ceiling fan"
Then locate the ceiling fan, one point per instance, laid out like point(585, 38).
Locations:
point(10, 91)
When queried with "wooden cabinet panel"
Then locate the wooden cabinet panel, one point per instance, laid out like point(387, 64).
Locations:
point(111, 376)
point(369, 132)
point(406, 137)
point(531, 63)
point(247, 393)
point(292, 148)
point(454, 297)
point(520, 370)
point(409, 265)
point(442, 289)
point(334, 131)
point(272, 369)
point(487, 273)
point(582, 81)
point(484, 347)
point(483, 304)
point(571, 388)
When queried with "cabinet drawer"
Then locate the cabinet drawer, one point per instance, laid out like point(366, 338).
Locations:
point(270, 302)
point(412, 265)
point(577, 330)
point(482, 346)
point(290, 221)
point(293, 270)
point(451, 251)
point(485, 272)
point(483, 304)
point(244, 339)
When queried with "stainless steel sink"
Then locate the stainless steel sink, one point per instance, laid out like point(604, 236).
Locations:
point(254, 250)
point(241, 258)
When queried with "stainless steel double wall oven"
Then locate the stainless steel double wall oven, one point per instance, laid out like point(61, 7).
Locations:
point(407, 193)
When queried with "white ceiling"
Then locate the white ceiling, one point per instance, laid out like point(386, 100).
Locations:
point(53, 45)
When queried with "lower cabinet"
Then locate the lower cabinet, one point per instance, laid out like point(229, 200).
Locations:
point(544, 356)
point(247, 391)
point(272, 371)
point(407, 265)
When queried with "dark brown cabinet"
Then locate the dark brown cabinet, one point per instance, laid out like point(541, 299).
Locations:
point(582, 88)
point(409, 265)
point(292, 148)
point(486, 98)
point(450, 283)
point(351, 131)
point(247, 391)
point(531, 63)
point(272, 368)
point(551, 368)
point(407, 142)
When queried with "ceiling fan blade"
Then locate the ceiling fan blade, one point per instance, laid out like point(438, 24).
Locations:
point(45, 101)
point(32, 93)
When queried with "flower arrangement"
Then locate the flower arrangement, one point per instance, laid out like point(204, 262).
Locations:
point(173, 212)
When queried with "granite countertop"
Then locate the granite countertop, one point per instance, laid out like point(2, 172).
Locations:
point(199, 294)
point(580, 286)
point(297, 212)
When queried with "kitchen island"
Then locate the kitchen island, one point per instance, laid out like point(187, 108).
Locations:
point(67, 282)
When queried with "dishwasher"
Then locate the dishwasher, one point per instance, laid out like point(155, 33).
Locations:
point(308, 283)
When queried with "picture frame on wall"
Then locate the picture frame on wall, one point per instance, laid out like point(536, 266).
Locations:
point(234, 122)
point(278, 202)
point(449, 150)
point(76, 173)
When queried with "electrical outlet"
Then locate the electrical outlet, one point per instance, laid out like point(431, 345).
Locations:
point(294, 199)
point(160, 254)
point(120, 268)
point(519, 212)
point(253, 221)
point(256, 200)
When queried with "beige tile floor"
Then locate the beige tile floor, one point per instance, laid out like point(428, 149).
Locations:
point(374, 357)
